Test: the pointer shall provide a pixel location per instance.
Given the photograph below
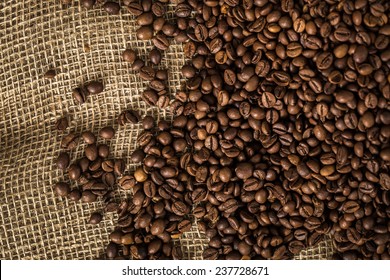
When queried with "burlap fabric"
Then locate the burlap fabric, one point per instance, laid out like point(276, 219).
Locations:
point(81, 45)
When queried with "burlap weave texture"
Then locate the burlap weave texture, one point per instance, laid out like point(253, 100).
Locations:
point(81, 45)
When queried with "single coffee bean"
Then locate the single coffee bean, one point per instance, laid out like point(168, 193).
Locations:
point(62, 189)
point(144, 33)
point(180, 208)
point(62, 124)
point(129, 56)
point(95, 87)
point(95, 218)
point(155, 56)
point(69, 141)
point(63, 161)
point(91, 152)
point(112, 8)
point(140, 175)
point(161, 42)
point(147, 73)
point(50, 74)
point(107, 132)
point(88, 4)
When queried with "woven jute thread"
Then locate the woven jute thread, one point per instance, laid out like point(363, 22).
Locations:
point(81, 45)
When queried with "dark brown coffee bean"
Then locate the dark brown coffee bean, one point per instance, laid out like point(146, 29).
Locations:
point(107, 132)
point(112, 8)
point(95, 87)
point(229, 77)
point(210, 254)
point(147, 73)
point(180, 208)
point(158, 9)
point(184, 226)
point(95, 218)
point(161, 42)
point(183, 10)
point(229, 206)
point(75, 195)
point(62, 189)
point(111, 250)
point(50, 74)
point(135, 8)
point(62, 124)
point(150, 97)
point(145, 19)
point(144, 33)
point(69, 141)
point(155, 56)
point(103, 150)
point(88, 197)
point(63, 161)
point(157, 227)
point(129, 56)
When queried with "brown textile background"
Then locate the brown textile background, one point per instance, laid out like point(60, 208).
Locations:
point(81, 45)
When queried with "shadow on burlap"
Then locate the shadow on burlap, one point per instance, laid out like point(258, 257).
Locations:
point(81, 45)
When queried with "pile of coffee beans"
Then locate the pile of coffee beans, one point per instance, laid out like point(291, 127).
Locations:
point(94, 174)
point(281, 135)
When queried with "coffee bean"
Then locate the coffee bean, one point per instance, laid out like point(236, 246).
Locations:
point(150, 97)
point(161, 42)
point(79, 95)
point(62, 124)
point(111, 250)
point(95, 87)
point(129, 56)
point(95, 218)
point(69, 141)
point(144, 33)
point(128, 116)
point(88, 4)
point(107, 132)
point(180, 208)
point(155, 56)
point(62, 189)
point(50, 74)
point(210, 254)
point(63, 161)
point(183, 10)
point(112, 8)
point(147, 73)
point(135, 8)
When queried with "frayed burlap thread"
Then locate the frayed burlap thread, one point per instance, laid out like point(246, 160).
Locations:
point(81, 45)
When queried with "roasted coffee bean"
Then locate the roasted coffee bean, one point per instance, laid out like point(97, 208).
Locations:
point(128, 116)
point(129, 55)
point(88, 4)
point(79, 95)
point(150, 97)
point(62, 189)
point(107, 132)
point(161, 42)
point(69, 141)
point(155, 56)
point(210, 254)
point(63, 161)
point(62, 124)
point(95, 87)
point(112, 8)
point(180, 208)
point(95, 218)
point(50, 74)
point(144, 33)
